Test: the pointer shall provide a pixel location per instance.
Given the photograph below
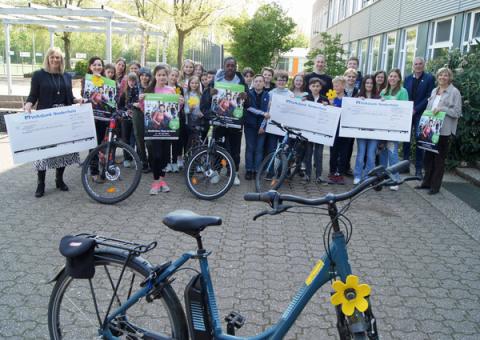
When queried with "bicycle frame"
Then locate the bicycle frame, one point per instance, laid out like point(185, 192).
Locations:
point(328, 268)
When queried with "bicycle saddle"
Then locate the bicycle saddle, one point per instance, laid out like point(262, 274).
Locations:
point(188, 222)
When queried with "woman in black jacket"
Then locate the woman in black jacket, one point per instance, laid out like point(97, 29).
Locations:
point(51, 87)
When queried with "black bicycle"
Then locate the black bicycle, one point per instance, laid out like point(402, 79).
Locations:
point(284, 162)
point(210, 170)
point(112, 171)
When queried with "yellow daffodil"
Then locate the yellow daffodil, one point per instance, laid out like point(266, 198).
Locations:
point(350, 295)
point(178, 90)
point(331, 94)
point(97, 81)
point(193, 101)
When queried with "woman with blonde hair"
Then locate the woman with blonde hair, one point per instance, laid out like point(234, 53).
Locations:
point(52, 87)
point(445, 98)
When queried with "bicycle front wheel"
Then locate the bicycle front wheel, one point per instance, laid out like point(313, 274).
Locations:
point(111, 172)
point(78, 306)
point(272, 172)
point(210, 173)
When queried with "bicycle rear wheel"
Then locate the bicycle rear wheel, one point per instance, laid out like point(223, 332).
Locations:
point(111, 179)
point(272, 172)
point(210, 172)
point(72, 313)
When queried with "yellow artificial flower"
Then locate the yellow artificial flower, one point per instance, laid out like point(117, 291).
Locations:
point(178, 90)
point(350, 295)
point(193, 101)
point(331, 94)
point(97, 81)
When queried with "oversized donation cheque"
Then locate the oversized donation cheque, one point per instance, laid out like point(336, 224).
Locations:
point(51, 132)
point(428, 133)
point(228, 103)
point(161, 116)
point(376, 119)
point(101, 92)
point(317, 122)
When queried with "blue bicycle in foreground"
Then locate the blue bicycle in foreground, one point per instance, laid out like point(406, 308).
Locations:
point(108, 291)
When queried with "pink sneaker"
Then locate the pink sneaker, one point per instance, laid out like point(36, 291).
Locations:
point(155, 188)
point(164, 186)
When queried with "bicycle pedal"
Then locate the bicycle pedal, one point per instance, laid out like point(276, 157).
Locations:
point(234, 321)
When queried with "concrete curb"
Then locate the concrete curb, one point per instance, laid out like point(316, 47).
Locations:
point(470, 174)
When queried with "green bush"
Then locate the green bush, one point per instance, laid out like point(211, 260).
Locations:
point(465, 146)
point(81, 67)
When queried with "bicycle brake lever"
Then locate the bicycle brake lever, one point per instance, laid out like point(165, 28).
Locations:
point(260, 214)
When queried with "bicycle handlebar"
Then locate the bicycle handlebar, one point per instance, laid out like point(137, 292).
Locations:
point(288, 129)
point(377, 176)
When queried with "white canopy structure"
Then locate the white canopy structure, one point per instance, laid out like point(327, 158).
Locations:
point(74, 19)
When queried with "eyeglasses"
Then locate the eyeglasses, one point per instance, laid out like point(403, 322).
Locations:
point(282, 79)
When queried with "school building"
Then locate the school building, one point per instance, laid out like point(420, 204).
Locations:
point(293, 61)
point(386, 34)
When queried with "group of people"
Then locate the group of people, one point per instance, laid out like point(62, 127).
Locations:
point(51, 87)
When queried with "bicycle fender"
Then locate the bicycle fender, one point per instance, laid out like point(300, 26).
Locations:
point(55, 278)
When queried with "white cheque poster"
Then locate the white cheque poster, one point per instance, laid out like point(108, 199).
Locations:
point(376, 119)
point(51, 132)
point(318, 122)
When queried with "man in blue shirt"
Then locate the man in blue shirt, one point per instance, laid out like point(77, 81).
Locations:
point(419, 86)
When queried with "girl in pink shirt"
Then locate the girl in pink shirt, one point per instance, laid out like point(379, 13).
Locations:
point(159, 150)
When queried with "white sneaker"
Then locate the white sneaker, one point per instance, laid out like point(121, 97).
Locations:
point(180, 164)
point(168, 168)
point(356, 181)
point(175, 167)
point(236, 181)
point(215, 178)
point(394, 188)
point(127, 164)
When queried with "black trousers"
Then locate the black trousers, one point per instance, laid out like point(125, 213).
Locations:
point(158, 156)
point(233, 142)
point(101, 129)
point(434, 165)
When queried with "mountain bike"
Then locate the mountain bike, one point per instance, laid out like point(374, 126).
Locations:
point(210, 170)
point(107, 290)
point(284, 162)
point(112, 171)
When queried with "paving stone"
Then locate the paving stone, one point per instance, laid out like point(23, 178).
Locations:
point(422, 267)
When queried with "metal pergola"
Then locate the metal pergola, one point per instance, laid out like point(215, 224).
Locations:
point(74, 19)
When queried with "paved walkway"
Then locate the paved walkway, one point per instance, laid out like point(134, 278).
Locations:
point(422, 263)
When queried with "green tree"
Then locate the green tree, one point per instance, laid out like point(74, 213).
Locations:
point(465, 146)
point(331, 47)
point(66, 37)
point(189, 15)
point(258, 41)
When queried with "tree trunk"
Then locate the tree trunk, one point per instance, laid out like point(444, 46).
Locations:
point(143, 49)
point(181, 42)
point(66, 49)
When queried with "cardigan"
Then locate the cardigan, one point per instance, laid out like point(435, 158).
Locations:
point(451, 104)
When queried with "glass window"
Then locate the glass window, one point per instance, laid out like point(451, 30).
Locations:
point(409, 49)
point(353, 49)
point(374, 63)
point(443, 31)
point(440, 37)
point(476, 26)
point(363, 55)
point(283, 64)
point(389, 50)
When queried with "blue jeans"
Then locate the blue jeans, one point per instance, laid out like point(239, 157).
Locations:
point(368, 148)
point(419, 153)
point(254, 148)
point(389, 156)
